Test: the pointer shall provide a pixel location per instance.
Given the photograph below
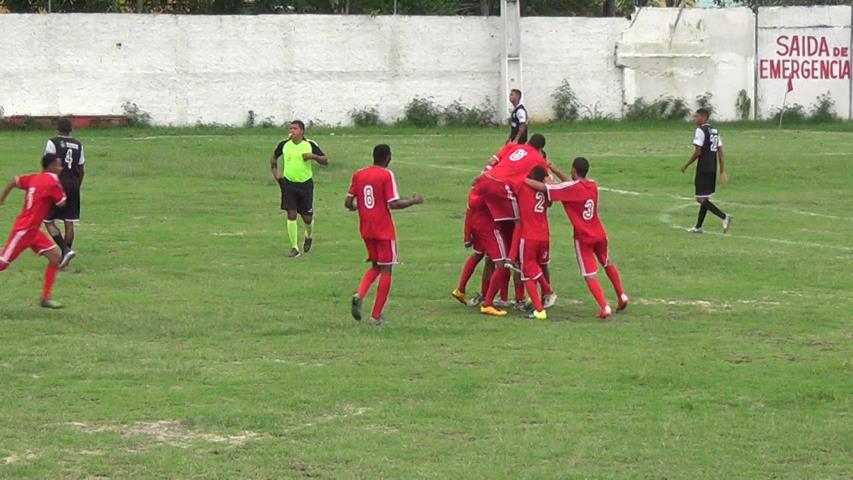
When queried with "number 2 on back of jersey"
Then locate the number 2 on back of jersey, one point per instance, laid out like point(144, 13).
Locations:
point(540, 203)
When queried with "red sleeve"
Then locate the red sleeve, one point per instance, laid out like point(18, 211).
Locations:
point(564, 192)
point(57, 194)
point(390, 188)
point(23, 182)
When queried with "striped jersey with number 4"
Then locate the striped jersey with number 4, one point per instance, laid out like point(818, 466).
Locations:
point(580, 200)
point(373, 188)
point(533, 210)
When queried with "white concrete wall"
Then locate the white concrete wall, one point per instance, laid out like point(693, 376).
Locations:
point(812, 47)
point(214, 69)
point(683, 54)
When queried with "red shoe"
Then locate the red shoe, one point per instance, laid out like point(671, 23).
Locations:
point(605, 313)
point(623, 303)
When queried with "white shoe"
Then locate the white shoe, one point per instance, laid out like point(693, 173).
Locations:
point(695, 230)
point(549, 301)
point(501, 303)
point(727, 223)
point(66, 259)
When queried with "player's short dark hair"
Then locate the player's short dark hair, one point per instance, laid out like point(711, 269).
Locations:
point(704, 112)
point(381, 154)
point(299, 123)
point(537, 141)
point(515, 90)
point(538, 173)
point(581, 166)
point(63, 125)
point(48, 159)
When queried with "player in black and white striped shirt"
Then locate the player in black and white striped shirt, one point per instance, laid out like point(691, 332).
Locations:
point(70, 150)
point(708, 150)
point(518, 119)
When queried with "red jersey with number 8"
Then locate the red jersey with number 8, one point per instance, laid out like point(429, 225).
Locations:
point(373, 188)
point(580, 200)
point(42, 192)
point(513, 164)
point(533, 210)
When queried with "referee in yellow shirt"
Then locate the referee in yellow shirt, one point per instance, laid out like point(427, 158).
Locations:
point(296, 179)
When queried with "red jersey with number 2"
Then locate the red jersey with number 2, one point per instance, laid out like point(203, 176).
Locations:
point(373, 188)
point(42, 192)
point(514, 162)
point(533, 210)
point(580, 200)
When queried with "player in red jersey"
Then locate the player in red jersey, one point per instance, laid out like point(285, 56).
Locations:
point(534, 246)
point(373, 193)
point(43, 191)
point(580, 200)
point(498, 185)
point(483, 235)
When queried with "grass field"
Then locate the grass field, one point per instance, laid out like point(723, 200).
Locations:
point(192, 348)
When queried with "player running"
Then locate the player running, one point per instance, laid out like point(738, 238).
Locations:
point(482, 234)
point(580, 200)
point(43, 191)
point(534, 246)
point(373, 193)
point(708, 148)
point(70, 151)
point(497, 185)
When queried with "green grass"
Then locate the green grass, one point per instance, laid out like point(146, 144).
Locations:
point(192, 348)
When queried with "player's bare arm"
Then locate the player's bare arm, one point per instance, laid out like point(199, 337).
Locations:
point(82, 174)
point(276, 173)
point(522, 131)
point(535, 184)
point(697, 151)
point(724, 177)
point(558, 173)
point(402, 203)
point(349, 203)
point(321, 159)
point(8, 188)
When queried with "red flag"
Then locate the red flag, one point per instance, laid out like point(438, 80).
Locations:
point(790, 85)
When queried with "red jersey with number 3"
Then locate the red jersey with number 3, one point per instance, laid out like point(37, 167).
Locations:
point(41, 192)
point(580, 200)
point(373, 188)
point(513, 163)
point(533, 210)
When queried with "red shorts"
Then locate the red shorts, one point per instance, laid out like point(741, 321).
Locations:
point(500, 199)
point(490, 242)
point(533, 254)
point(20, 240)
point(381, 252)
point(588, 253)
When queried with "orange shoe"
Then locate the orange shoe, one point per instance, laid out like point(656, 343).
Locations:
point(492, 311)
point(459, 295)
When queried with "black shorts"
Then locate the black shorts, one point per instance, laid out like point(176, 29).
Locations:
point(706, 184)
point(71, 211)
point(297, 196)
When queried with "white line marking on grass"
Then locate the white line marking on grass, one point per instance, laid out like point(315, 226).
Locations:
point(703, 303)
point(169, 432)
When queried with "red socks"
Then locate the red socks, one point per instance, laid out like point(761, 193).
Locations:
point(381, 295)
point(519, 288)
point(49, 278)
point(534, 294)
point(613, 275)
point(546, 286)
point(366, 281)
point(499, 278)
point(487, 276)
point(467, 271)
point(595, 289)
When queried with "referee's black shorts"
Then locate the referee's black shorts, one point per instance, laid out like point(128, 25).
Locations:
point(706, 184)
point(70, 212)
point(297, 196)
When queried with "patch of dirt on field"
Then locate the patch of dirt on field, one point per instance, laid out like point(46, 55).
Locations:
point(13, 458)
point(170, 432)
point(709, 305)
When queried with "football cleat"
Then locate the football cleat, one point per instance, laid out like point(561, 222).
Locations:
point(66, 259)
point(492, 311)
point(294, 252)
point(695, 230)
point(521, 305)
point(727, 224)
point(476, 300)
point(378, 322)
point(460, 296)
point(534, 315)
point(51, 304)
point(605, 312)
point(512, 266)
point(356, 307)
point(502, 303)
point(306, 246)
point(549, 300)
point(623, 303)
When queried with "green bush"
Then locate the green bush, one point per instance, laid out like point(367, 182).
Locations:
point(793, 113)
point(365, 117)
point(743, 105)
point(422, 113)
point(566, 106)
point(664, 108)
point(136, 117)
point(824, 109)
point(704, 101)
point(458, 115)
